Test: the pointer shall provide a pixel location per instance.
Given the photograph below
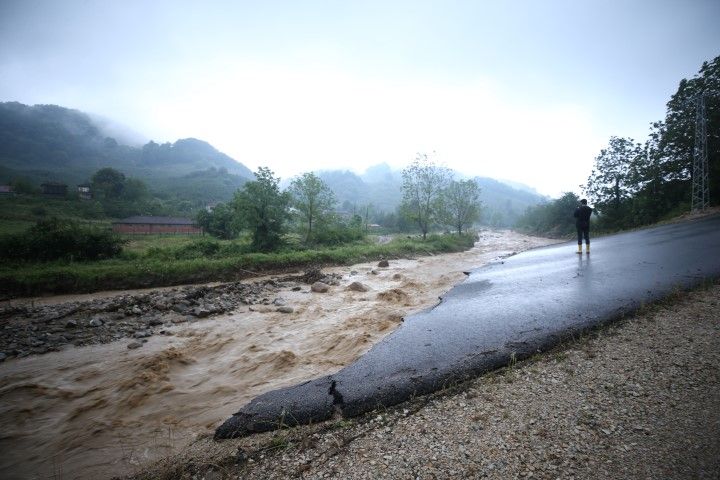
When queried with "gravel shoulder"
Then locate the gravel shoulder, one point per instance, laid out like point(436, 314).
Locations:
point(637, 399)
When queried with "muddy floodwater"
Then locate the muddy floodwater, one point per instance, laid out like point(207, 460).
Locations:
point(103, 410)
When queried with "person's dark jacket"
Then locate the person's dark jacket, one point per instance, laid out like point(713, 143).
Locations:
point(582, 216)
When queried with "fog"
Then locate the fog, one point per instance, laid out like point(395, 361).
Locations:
point(526, 91)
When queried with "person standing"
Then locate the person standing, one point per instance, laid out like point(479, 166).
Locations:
point(582, 222)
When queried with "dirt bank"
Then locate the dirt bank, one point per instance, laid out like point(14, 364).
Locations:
point(96, 408)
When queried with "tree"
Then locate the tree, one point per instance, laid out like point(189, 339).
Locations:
point(461, 204)
point(614, 179)
point(263, 208)
point(108, 182)
point(313, 199)
point(134, 190)
point(423, 185)
point(677, 132)
point(221, 222)
point(554, 219)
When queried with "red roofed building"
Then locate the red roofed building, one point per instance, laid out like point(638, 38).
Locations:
point(156, 225)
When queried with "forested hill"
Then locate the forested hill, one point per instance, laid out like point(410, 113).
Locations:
point(381, 187)
point(48, 142)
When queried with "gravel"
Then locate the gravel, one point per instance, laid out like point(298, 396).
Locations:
point(638, 399)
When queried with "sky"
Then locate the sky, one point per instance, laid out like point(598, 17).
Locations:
point(525, 90)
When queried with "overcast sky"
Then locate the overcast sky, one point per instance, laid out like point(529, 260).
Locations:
point(521, 90)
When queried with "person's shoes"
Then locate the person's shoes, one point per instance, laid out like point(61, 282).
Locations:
point(587, 249)
point(579, 249)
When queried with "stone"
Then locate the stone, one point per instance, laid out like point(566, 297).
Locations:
point(136, 310)
point(285, 309)
point(95, 322)
point(383, 264)
point(201, 312)
point(142, 334)
point(2, 356)
point(296, 289)
point(357, 287)
point(71, 324)
point(134, 345)
point(320, 287)
point(279, 302)
point(154, 322)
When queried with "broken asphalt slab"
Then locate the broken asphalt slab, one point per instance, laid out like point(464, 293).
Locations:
point(503, 311)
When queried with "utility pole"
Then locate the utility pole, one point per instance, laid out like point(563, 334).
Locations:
point(700, 180)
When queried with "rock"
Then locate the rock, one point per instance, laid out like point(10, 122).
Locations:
point(279, 302)
point(154, 322)
point(201, 312)
point(353, 273)
point(320, 287)
point(357, 287)
point(142, 334)
point(241, 457)
point(285, 309)
point(373, 272)
point(71, 324)
point(383, 263)
point(95, 322)
point(296, 289)
point(2, 357)
point(136, 310)
point(134, 345)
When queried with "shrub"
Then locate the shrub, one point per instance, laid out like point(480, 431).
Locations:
point(53, 239)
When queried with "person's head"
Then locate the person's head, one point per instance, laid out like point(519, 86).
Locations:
point(583, 201)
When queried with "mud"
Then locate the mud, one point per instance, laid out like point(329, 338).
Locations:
point(101, 409)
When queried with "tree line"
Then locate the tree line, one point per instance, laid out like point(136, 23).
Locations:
point(431, 199)
point(634, 183)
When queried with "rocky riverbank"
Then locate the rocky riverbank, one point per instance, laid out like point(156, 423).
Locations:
point(33, 330)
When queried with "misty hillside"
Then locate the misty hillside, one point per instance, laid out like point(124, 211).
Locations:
point(51, 143)
point(381, 187)
point(48, 142)
point(504, 204)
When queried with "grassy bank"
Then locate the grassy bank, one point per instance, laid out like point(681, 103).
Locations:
point(202, 261)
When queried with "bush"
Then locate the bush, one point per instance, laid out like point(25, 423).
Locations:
point(53, 239)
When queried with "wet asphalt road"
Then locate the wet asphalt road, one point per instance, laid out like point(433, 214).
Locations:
point(510, 309)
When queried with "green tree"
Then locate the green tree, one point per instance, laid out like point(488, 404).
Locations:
point(108, 182)
point(221, 222)
point(461, 205)
point(134, 190)
point(677, 132)
point(423, 185)
point(615, 179)
point(313, 199)
point(263, 208)
point(554, 219)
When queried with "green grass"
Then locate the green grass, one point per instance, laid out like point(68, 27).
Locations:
point(21, 212)
point(163, 261)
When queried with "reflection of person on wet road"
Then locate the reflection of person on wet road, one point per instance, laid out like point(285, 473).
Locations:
point(582, 222)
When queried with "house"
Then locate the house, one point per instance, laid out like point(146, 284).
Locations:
point(84, 192)
point(145, 225)
point(54, 189)
point(6, 191)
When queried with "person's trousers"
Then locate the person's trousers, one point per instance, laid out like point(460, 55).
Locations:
point(583, 232)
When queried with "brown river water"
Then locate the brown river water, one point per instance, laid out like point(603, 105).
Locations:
point(104, 410)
